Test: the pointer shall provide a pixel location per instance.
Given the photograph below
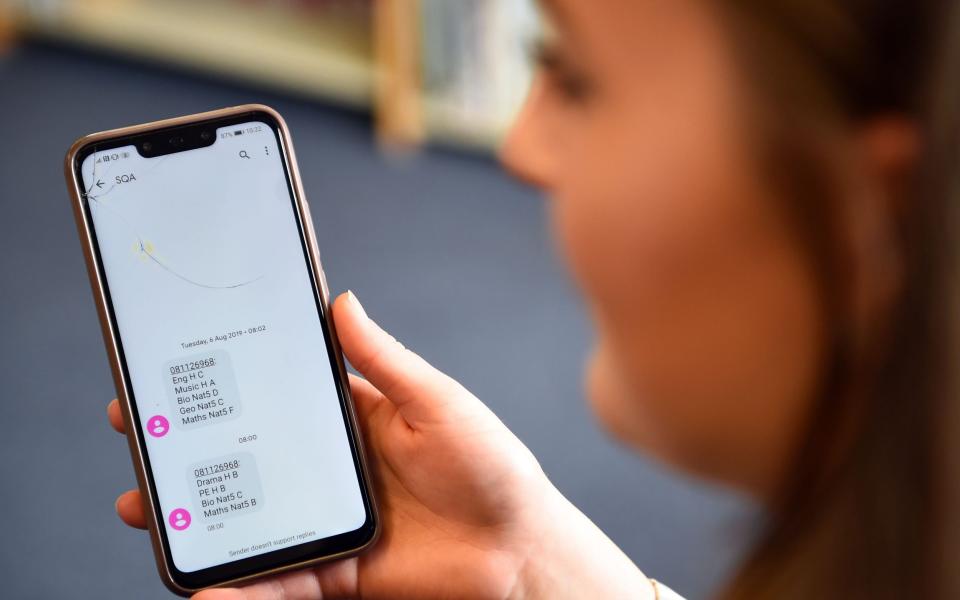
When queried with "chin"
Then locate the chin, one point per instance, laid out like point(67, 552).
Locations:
point(625, 414)
point(614, 407)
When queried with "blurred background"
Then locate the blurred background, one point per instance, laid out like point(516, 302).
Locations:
point(442, 247)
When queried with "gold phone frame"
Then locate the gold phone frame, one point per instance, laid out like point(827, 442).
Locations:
point(110, 333)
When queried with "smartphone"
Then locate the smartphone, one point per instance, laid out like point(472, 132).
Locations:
point(216, 318)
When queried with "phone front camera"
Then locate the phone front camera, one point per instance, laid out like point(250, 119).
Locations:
point(146, 146)
point(205, 136)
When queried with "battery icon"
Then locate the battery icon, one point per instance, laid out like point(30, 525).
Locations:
point(238, 132)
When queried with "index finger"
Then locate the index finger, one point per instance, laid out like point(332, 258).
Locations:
point(115, 416)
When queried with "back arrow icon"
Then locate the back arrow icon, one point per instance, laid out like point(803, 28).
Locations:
point(99, 184)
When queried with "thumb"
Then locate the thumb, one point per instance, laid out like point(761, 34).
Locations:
point(422, 394)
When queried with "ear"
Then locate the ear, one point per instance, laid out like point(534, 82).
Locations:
point(886, 153)
point(890, 147)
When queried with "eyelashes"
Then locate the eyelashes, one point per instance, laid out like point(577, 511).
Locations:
point(567, 79)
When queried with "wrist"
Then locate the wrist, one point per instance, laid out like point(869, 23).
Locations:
point(570, 557)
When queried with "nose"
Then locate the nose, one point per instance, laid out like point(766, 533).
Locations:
point(526, 152)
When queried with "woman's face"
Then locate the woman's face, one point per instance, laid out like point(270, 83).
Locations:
point(708, 330)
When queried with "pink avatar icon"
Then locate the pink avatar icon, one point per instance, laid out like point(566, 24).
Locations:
point(158, 426)
point(179, 519)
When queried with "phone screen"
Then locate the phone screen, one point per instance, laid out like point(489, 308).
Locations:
point(226, 352)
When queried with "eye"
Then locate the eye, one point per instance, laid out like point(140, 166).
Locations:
point(569, 80)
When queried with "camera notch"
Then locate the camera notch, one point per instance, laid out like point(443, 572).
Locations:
point(175, 139)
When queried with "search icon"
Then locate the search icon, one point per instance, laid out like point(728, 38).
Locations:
point(243, 154)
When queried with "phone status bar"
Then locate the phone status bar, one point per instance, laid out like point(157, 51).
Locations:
point(227, 133)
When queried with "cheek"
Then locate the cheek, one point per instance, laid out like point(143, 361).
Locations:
point(705, 308)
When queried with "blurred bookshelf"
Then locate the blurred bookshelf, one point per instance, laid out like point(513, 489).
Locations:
point(437, 71)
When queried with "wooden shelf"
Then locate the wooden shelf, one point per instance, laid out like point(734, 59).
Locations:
point(366, 55)
point(325, 58)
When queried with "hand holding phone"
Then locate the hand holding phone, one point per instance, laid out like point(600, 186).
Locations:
point(464, 504)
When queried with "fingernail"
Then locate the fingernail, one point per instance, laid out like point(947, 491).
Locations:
point(352, 298)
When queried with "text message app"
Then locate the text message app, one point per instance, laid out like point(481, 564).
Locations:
point(224, 346)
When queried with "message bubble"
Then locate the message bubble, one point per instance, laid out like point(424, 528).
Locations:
point(202, 390)
point(224, 487)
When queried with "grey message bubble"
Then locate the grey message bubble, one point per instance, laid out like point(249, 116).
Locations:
point(202, 390)
point(225, 487)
